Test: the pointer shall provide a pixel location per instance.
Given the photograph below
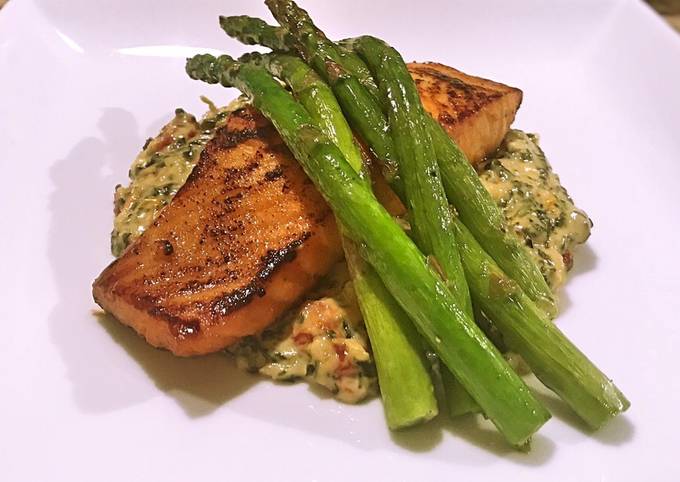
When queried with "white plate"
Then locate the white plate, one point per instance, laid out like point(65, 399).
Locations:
point(81, 398)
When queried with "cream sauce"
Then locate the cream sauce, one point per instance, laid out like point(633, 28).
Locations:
point(323, 341)
point(536, 206)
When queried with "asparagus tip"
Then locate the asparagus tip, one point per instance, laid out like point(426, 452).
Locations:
point(209, 68)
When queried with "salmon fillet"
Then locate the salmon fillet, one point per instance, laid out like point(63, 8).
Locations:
point(249, 234)
point(243, 239)
point(475, 112)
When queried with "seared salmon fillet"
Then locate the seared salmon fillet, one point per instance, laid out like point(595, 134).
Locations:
point(249, 234)
point(243, 239)
point(475, 112)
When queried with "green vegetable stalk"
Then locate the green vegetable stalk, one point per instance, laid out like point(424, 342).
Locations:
point(484, 219)
point(403, 373)
point(419, 291)
point(527, 331)
point(367, 117)
point(252, 30)
point(359, 103)
point(430, 214)
point(405, 384)
point(315, 96)
point(429, 211)
point(458, 400)
point(255, 31)
point(461, 183)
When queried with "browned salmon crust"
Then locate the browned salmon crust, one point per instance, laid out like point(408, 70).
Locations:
point(243, 239)
point(249, 234)
point(475, 112)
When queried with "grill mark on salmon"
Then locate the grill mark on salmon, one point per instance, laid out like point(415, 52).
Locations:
point(270, 262)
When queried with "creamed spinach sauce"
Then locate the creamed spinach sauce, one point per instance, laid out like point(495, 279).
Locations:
point(535, 205)
point(323, 341)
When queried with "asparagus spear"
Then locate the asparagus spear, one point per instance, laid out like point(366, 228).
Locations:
point(399, 411)
point(362, 108)
point(507, 250)
point(315, 96)
point(527, 331)
point(593, 397)
point(289, 14)
point(429, 212)
point(463, 188)
point(405, 384)
point(481, 214)
point(483, 218)
point(405, 272)
point(458, 400)
point(254, 31)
